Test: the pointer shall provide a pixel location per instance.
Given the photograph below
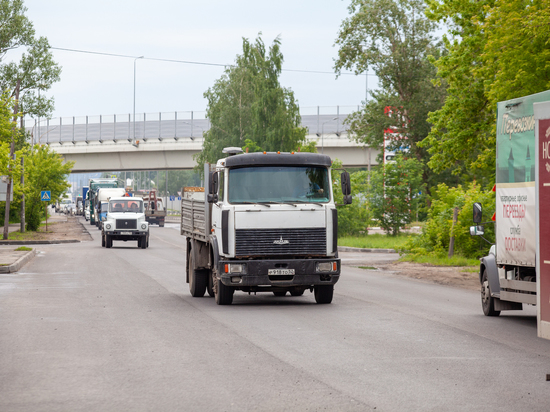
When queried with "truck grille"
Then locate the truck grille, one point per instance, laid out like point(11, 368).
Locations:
point(278, 242)
point(126, 224)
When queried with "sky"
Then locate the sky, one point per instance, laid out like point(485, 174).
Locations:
point(205, 31)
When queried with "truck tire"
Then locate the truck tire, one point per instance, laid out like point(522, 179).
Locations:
point(197, 279)
point(279, 293)
point(223, 294)
point(323, 293)
point(297, 292)
point(102, 240)
point(108, 241)
point(487, 301)
point(142, 242)
point(161, 223)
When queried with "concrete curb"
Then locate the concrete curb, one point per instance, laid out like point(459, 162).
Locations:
point(19, 263)
point(37, 242)
point(357, 249)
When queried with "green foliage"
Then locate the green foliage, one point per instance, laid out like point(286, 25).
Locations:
point(36, 71)
point(354, 218)
point(248, 104)
point(393, 38)
point(395, 193)
point(496, 51)
point(44, 170)
point(23, 249)
point(436, 233)
point(471, 265)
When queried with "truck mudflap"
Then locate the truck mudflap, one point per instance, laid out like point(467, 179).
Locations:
point(279, 273)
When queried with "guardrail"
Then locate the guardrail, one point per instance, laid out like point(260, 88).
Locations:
point(172, 125)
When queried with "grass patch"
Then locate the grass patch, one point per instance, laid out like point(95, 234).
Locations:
point(441, 261)
point(367, 267)
point(23, 249)
point(375, 241)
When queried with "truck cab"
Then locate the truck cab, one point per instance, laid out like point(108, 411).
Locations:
point(125, 220)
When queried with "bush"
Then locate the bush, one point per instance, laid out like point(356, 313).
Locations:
point(436, 233)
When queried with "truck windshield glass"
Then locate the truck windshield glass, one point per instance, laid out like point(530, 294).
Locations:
point(279, 184)
point(130, 205)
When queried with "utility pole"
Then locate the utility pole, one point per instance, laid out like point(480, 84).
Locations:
point(22, 228)
point(12, 150)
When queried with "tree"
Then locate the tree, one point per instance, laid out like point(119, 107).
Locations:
point(395, 193)
point(394, 38)
point(44, 170)
point(248, 107)
point(496, 51)
point(36, 71)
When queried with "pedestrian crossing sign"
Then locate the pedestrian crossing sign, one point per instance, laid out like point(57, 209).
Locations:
point(45, 195)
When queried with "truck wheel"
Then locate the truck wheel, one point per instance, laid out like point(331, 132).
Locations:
point(102, 240)
point(161, 224)
point(108, 241)
point(487, 301)
point(278, 293)
point(197, 279)
point(143, 241)
point(222, 293)
point(323, 293)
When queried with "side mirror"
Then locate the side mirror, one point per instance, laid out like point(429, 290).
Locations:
point(347, 199)
point(213, 186)
point(346, 184)
point(477, 212)
point(477, 231)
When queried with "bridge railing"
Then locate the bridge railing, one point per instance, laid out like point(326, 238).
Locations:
point(162, 125)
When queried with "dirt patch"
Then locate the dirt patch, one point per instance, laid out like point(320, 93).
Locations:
point(449, 276)
point(68, 228)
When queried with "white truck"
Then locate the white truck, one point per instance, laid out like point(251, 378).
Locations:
point(103, 195)
point(125, 221)
point(517, 269)
point(264, 222)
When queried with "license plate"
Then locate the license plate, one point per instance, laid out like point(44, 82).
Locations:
point(279, 272)
point(125, 233)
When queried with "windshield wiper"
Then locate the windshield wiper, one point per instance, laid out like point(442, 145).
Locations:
point(280, 203)
point(253, 203)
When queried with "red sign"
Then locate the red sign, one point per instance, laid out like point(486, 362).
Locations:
point(544, 218)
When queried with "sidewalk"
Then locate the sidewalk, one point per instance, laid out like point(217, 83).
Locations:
point(12, 260)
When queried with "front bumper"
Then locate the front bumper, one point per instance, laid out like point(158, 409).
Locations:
point(257, 274)
point(126, 234)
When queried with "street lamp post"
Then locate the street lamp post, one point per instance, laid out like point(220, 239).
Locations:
point(323, 133)
point(192, 127)
point(134, 139)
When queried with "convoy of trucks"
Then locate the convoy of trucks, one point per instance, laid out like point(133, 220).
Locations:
point(264, 222)
point(94, 186)
point(517, 269)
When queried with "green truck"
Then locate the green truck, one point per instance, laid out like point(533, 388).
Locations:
point(95, 185)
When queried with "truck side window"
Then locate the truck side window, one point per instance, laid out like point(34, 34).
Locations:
point(220, 186)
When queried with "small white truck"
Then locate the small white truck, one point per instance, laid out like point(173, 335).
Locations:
point(125, 221)
point(264, 222)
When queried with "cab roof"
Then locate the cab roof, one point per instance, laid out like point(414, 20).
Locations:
point(278, 159)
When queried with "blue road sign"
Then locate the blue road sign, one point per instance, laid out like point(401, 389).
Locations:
point(172, 198)
point(45, 195)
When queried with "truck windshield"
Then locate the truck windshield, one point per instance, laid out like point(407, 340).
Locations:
point(130, 205)
point(279, 184)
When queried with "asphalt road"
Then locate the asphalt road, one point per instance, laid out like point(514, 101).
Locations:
point(88, 328)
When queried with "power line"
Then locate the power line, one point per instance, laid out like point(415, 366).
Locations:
point(187, 61)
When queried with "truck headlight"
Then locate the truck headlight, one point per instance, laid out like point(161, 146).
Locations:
point(143, 226)
point(108, 226)
point(326, 267)
point(235, 268)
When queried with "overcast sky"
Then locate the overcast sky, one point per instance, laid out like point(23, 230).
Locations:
point(205, 31)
